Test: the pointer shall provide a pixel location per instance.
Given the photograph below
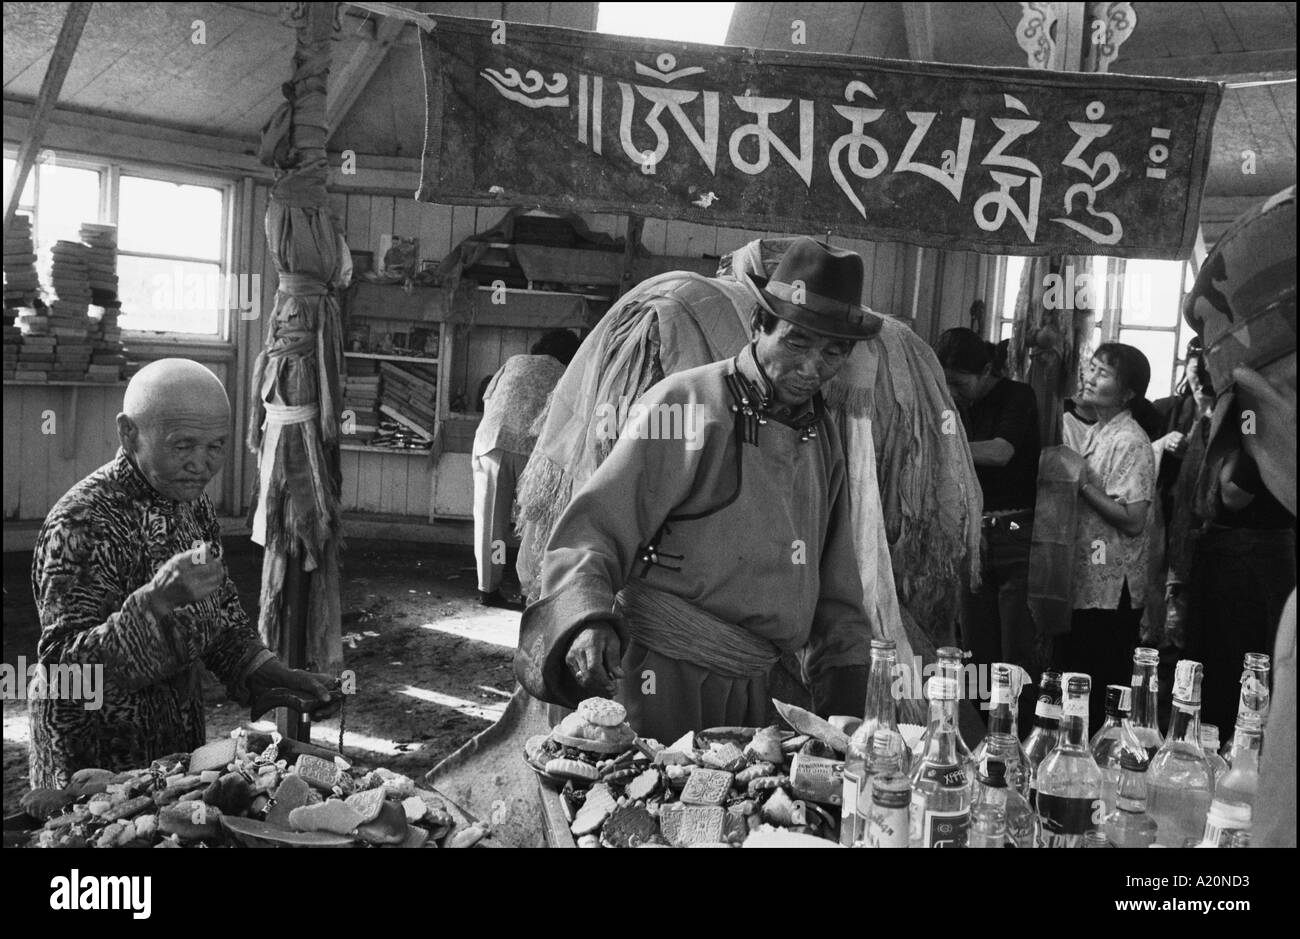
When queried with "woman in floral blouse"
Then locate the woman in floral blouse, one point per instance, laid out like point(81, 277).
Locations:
point(1111, 548)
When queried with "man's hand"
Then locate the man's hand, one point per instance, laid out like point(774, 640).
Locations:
point(186, 578)
point(1173, 443)
point(274, 674)
point(594, 659)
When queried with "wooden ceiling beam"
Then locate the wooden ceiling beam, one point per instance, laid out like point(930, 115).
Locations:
point(1233, 64)
point(347, 86)
point(61, 59)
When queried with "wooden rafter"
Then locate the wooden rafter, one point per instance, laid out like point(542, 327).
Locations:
point(66, 46)
point(346, 87)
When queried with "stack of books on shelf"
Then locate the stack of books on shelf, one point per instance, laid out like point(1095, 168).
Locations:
point(408, 395)
point(108, 357)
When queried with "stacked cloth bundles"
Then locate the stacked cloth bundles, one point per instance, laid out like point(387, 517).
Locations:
point(13, 340)
point(101, 261)
point(108, 355)
point(21, 282)
point(69, 314)
point(35, 357)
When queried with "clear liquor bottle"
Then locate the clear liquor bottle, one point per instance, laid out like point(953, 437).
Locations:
point(1046, 731)
point(949, 664)
point(1210, 744)
point(1180, 783)
point(1002, 720)
point(940, 810)
point(891, 793)
point(1232, 809)
point(1146, 695)
point(988, 826)
point(1108, 742)
point(880, 713)
point(1129, 825)
point(1069, 782)
point(992, 787)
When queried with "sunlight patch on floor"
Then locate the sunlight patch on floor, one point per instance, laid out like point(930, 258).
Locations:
point(486, 712)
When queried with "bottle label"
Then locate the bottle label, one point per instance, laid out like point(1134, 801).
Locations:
point(948, 777)
point(1064, 820)
point(1001, 694)
point(853, 808)
point(1047, 709)
point(946, 829)
point(1222, 821)
point(887, 826)
point(1076, 707)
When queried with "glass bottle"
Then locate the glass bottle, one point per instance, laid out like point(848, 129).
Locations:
point(1095, 839)
point(940, 810)
point(1069, 782)
point(891, 793)
point(880, 713)
point(1002, 720)
point(1129, 825)
point(988, 826)
point(992, 787)
point(1233, 805)
point(1110, 740)
point(1146, 694)
point(1210, 744)
point(948, 664)
point(1047, 718)
point(1180, 782)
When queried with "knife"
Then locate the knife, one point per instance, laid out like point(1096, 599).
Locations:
point(809, 723)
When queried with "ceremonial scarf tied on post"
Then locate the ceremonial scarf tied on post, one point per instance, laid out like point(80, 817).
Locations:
point(997, 160)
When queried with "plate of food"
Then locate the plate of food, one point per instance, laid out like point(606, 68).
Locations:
point(596, 733)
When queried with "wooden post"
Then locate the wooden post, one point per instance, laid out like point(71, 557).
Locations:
point(631, 247)
point(73, 23)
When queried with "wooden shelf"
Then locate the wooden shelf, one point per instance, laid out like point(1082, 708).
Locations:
point(383, 357)
point(395, 451)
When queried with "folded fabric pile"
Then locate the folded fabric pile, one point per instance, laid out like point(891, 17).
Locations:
point(69, 320)
point(21, 282)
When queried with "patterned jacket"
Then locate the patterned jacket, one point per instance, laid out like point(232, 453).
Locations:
point(100, 545)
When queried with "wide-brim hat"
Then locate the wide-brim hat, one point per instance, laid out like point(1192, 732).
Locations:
point(818, 288)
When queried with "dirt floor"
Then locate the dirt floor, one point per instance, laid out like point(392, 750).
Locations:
point(434, 671)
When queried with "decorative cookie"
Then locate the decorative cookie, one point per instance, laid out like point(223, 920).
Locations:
point(766, 784)
point(322, 774)
point(765, 745)
point(603, 711)
point(292, 793)
point(571, 769)
point(750, 773)
point(213, 756)
point(332, 815)
point(725, 756)
point(707, 787)
point(692, 824)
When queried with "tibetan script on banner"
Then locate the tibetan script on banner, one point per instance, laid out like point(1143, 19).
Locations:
point(999, 160)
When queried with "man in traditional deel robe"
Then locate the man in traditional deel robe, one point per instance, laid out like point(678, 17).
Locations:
point(716, 535)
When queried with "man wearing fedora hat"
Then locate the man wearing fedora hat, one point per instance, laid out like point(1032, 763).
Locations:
point(684, 568)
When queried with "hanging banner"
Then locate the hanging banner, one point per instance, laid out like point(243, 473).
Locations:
point(998, 160)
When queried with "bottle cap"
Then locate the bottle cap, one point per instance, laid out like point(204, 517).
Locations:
point(1256, 660)
point(1187, 682)
point(1146, 656)
point(1051, 679)
point(1119, 699)
point(884, 740)
point(951, 652)
point(1078, 683)
point(884, 644)
point(1210, 737)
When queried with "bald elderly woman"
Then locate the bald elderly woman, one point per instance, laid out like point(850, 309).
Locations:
point(128, 576)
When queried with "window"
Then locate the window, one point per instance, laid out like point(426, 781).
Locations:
point(172, 237)
point(171, 256)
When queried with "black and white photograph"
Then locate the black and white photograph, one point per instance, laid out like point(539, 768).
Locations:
point(625, 425)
